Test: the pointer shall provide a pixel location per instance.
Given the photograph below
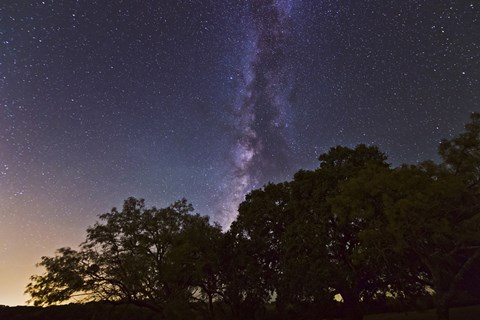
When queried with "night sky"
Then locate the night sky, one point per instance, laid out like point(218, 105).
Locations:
point(207, 99)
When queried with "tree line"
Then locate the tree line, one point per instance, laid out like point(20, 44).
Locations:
point(336, 241)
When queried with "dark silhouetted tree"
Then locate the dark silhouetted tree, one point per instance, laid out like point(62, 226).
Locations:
point(434, 214)
point(329, 233)
point(255, 241)
point(155, 258)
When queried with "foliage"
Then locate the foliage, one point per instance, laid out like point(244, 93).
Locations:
point(254, 241)
point(329, 230)
point(62, 279)
point(461, 155)
point(354, 227)
point(145, 256)
point(434, 214)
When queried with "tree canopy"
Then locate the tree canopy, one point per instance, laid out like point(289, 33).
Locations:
point(145, 256)
point(355, 229)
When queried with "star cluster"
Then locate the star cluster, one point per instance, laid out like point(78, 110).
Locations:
point(205, 99)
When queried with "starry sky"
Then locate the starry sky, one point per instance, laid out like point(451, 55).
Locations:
point(207, 99)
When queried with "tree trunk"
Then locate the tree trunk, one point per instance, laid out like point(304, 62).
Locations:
point(352, 307)
point(442, 311)
point(210, 306)
point(354, 314)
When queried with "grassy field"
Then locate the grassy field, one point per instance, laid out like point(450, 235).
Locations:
point(464, 313)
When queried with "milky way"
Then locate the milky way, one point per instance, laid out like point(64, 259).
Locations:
point(262, 108)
